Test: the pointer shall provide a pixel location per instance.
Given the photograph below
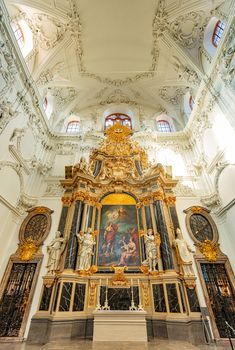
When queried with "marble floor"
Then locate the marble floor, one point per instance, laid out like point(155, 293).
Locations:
point(89, 345)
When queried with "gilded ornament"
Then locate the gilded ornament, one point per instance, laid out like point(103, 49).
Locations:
point(158, 239)
point(40, 210)
point(170, 201)
point(196, 210)
point(209, 250)
point(92, 294)
point(27, 249)
point(118, 132)
point(66, 201)
point(144, 269)
point(119, 278)
point(93, 269)
point(48, 281)
point(190, 283)
point(145, 294)
point(158, 195)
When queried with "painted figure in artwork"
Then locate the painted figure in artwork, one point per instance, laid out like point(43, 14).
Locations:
point(55, 249)
point(118, 240)
point(129, 252)
point(86, 243)
point(151, 250)
point(109, 236)
point(184, 254)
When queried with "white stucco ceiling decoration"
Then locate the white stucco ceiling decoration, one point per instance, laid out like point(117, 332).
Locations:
point(107, 51)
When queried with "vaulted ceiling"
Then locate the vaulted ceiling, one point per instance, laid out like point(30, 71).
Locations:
point(90, 53)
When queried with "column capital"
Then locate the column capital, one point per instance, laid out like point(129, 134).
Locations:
point(67, 201)
point(170, 201)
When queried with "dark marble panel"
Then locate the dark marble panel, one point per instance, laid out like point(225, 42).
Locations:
point(72, 247)
point(166, 252)
point(143, 252)
point(89, 214)
point(182, 298)
point(46, 298)
point(97, 167)
point(79, 297)
point(138, 167)
point(148, 216)
point(159, 298)
point(65, 296)
point(56, 296)
point(193, 300)
point(119, 298)
point(139, 211)
point(96, 219)
point(174, 218)
point(172, 297)
point(63, 218)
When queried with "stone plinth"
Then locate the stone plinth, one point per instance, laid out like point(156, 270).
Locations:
point(115, 325)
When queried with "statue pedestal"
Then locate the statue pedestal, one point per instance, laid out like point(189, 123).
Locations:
point(117, 325)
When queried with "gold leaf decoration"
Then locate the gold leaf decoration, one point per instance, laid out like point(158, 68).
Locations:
point(27, 249)
point(209, 250)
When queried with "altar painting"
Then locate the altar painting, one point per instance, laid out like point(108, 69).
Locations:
point(118, 239)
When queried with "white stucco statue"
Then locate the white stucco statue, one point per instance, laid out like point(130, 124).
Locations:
point(55, 249)
point(86, 243)
point(151, 250)
point(184, 256)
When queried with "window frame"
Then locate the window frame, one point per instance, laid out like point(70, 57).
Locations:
point(218, 32)
point(163, 123)
point(73, 130)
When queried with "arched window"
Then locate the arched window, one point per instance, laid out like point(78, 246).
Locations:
point(123, 119)
point(217, 34)
point(73, 127)
point(163, 126)
point(191, 102)
point(23, 36)
point(45, 103)
point(18, 34)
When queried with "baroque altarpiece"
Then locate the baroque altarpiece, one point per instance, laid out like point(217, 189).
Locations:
point(127, 210)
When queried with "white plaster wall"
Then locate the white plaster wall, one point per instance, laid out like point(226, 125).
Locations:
point(226, 184)
point(9, 185)
point(54, 204)
point(181, 205)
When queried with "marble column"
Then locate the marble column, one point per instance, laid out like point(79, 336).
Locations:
point(84, 218)
point(72, 247)
point(148, 216)
point(166, 252)
point(64, 214)
point(141, 228)
point(174, 216)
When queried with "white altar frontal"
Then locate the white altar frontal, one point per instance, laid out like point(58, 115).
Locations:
point(115, 325)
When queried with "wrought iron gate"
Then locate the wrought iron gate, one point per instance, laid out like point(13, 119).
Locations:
point(221, 295)
point(15, 298)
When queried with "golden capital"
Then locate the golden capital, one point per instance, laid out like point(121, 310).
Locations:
point(170, 201)
point(67, 201)
point(79, 196)
point(158, 195)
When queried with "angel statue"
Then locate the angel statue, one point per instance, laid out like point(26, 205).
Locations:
point(151, 250)
point(55, 249)
point(86, 243)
